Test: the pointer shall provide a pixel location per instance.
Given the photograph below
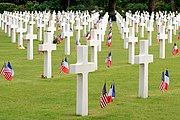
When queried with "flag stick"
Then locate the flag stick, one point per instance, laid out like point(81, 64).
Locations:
point(9, 83)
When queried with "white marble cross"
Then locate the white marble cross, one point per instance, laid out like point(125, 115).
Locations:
point(143, 59)
point(20, 31)
point(131, 39)
point(126, 30)
point(40, 25)
point(51, 27)
point(142, 24)
point(47, 48)
point(162, 38)
point(82, 68)
point(78, 28)
point(93, 43)
point(30, 37)
point(150, 28)
point(13, 27)
point(170, 28)
point(9, 22)
point(84, 25)
point(67, 33)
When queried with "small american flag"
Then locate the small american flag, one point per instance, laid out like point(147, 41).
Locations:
point(103, 97)
point(162, 84)
point(109, 60)
point(6, 72)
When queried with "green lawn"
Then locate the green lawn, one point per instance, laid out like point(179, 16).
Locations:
point(29, 97)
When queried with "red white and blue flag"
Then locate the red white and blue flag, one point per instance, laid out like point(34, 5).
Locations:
point(112, 93)
point(6, 72)
point(175, 49)
point(64, 66)
point(108, 42)
point(88, 36)
point(110, 34)
point(166, 78)
point(108, 60)
point(60, 38)
point(9, 65)
point(162, 84)
point(103, 97)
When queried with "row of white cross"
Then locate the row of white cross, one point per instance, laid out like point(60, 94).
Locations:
point(129, 25)
point(66, 21)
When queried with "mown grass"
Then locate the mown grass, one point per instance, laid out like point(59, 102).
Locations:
point(30, 97)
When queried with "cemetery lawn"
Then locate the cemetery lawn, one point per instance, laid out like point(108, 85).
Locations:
point(28, 97)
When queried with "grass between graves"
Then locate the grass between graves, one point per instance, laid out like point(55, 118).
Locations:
point(30, 97)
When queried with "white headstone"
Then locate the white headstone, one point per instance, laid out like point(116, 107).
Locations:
point(143, 59)
point(170, 28)
point(30, 37)
point(82, 68)
point(47, 47)
point(78, 28)
point(162, 38)
point(150, 28)
point(131, 39)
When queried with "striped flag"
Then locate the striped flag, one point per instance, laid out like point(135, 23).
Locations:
point(59, 27)
point(175, 49)
point(6, 72)
point(108, 60)
point(110, 23)
point(162, 84)
point(166, 80)
point(103, 97)
point(88, 36)
point(110, 34)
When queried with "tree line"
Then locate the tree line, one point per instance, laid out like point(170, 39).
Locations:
point(99, 5)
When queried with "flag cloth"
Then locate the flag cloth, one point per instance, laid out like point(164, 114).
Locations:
point(175, 49)
point(166, 80)
point(103, 97)
point(6, 72)
point(2, 70)
point(110, 34)
point(9, 65)
point(108, 60)
point(60, 38)
point(158, 37)
point(108, 42)
point(162, 84)
point(64, 66)
point(111, 94)
point(88, 36)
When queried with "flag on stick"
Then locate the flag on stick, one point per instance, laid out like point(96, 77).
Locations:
point(166, 80)
point(162, 84)
point(175, 49)
point(103, 97)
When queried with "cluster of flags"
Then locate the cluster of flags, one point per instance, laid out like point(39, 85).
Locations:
point(164, 81)
point(64, 66)
point(107, 98)
point(108, 60)
point(175, 49)
point(7, 71)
